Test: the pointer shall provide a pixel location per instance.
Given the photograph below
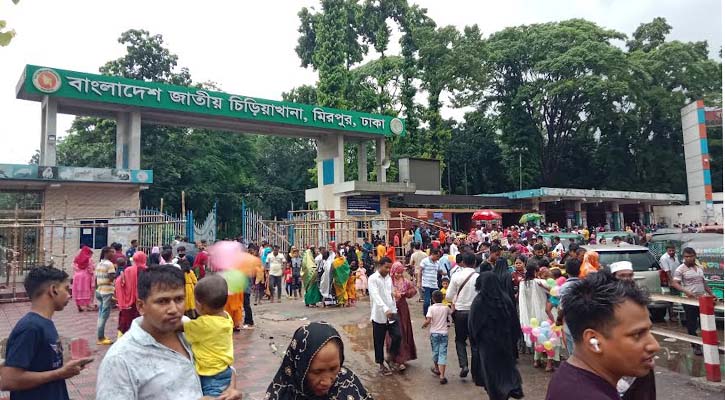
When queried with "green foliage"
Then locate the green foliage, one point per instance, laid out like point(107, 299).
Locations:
point(6, 35)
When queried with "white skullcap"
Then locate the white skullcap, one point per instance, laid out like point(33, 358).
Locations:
point(620, 266)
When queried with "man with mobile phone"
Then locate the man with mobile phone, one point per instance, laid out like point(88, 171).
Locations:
point(34, 366)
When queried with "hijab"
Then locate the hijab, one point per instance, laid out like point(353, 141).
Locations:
point(400, 284)
point(289, 382)
point(492, 306)
point(501, 269)
point(83, 259)
point(590, 264)
point(127, 282)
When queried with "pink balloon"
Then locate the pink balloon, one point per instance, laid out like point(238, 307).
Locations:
point(225, 255)
point(560, 281)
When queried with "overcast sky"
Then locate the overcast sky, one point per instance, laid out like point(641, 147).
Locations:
point(247, 47)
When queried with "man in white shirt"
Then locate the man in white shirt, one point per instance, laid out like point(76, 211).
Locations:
point(415, 259)
point(453, 250)
point(669, 263)
point(384, 315)
point(461, 292)
point(276, 262)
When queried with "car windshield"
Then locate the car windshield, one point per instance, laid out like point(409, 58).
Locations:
point(641, 260)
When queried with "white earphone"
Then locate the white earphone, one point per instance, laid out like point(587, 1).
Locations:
point(595, 343)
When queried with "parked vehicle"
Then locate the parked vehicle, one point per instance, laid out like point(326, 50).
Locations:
point(609, 235)
point(645, 266)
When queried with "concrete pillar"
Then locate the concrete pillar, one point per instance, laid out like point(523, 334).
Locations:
point(362, 162)
point(616, 217)
point(48, 128)
point(380, 159)
point(128, 140)
point(640, 214)
point(578, 213)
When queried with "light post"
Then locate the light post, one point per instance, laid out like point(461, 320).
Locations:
point(520, 150)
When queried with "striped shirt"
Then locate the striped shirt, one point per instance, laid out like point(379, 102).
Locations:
point(104, 283)
point(429, 269)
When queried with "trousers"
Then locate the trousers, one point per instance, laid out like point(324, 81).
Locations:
point(461, 327)
point(379, 331)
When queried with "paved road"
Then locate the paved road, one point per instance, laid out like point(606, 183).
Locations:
point(257, 355)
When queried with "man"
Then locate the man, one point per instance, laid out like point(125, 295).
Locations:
point(384, 314)
point(539, 254)
point(153, 360)
point(668, 264)
point(617, 241)
point(622, 270)
point(453, 249)
point(430, 267)
point(558, 246)
point(493, 255)
point(689, 279)
point(277, 263)
point(611, 342)
point(130, 252)
point(415, 259)
point(34, 366)
point(461, 292)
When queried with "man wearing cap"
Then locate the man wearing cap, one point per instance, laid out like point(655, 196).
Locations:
point(622, 270)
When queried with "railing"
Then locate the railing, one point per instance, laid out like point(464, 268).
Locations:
point(708, 341)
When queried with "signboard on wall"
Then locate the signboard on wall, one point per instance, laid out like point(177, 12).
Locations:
point(437, 214)
point(366, 202)
point(74, 174)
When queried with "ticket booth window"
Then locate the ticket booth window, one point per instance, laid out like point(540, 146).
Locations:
point(95, 237)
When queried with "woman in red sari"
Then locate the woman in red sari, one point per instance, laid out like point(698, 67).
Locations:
point(127, 292)
point(403, 289)
point(83, 278)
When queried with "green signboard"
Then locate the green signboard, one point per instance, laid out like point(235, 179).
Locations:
point(41, 81)
point(75, 174)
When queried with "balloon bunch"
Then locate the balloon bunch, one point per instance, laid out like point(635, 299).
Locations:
point(545, 336)
point(234, 264)
point(452, 260)
point(555, 286)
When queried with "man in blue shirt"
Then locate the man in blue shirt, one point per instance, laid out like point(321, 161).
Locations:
point(34, 358)
point(430, 267)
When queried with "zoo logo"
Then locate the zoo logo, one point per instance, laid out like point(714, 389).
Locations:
point(46, 80)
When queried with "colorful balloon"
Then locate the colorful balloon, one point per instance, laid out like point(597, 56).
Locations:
point(236, 280)
point(560, 281)
point(534, 322)
point(551, 282)
point(545, 324)
point(548, 345)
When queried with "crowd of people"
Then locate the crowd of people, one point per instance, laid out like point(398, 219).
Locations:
point(504, 293)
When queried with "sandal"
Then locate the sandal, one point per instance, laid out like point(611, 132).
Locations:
point(435, 371)
point(385, 371)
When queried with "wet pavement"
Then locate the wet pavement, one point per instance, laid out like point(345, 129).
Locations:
point(258, 354)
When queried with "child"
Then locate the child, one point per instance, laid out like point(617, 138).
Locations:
point(361, 281)
point(190, 283)
point(288, 280)
point(436, 318)
point(210, 336)
point(444, 283)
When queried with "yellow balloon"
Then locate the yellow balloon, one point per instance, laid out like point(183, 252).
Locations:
point(534, 323)
point(548, 345)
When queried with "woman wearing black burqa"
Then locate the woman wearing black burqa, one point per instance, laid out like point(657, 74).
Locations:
point(495, 330)
point(501, 269)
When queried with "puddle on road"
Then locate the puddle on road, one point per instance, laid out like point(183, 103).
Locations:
point(678, 357)
point(360, 341)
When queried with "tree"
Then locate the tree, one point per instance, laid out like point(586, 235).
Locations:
point(6, 35)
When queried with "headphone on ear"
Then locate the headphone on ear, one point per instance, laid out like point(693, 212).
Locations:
point(595, 343)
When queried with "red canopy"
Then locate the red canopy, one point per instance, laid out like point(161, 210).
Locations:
point(486, 215)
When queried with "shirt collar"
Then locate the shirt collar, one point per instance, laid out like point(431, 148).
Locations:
point(139, 335)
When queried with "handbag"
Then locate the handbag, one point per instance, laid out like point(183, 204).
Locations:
point(463, 285)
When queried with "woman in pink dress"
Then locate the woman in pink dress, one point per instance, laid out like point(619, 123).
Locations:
point(403, 289)
point(83, 278)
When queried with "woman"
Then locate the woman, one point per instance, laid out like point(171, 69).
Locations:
point(494, 332)
point(127, 292)
point(324, 271)
point(532, 304)
point(83, 278)
point(309, 275)
point(407, 240)
point(403, 289)
point(590, 264)
point(312, 368)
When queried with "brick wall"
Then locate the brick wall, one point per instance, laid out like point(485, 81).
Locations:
point(87, 201)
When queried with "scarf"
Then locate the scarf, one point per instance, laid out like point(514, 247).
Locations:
point(590, 264)
point(402, 284)
point(127, 282)
point(82, 260)
point(289, 382)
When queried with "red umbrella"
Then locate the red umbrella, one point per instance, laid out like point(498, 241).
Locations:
point(486, 215)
